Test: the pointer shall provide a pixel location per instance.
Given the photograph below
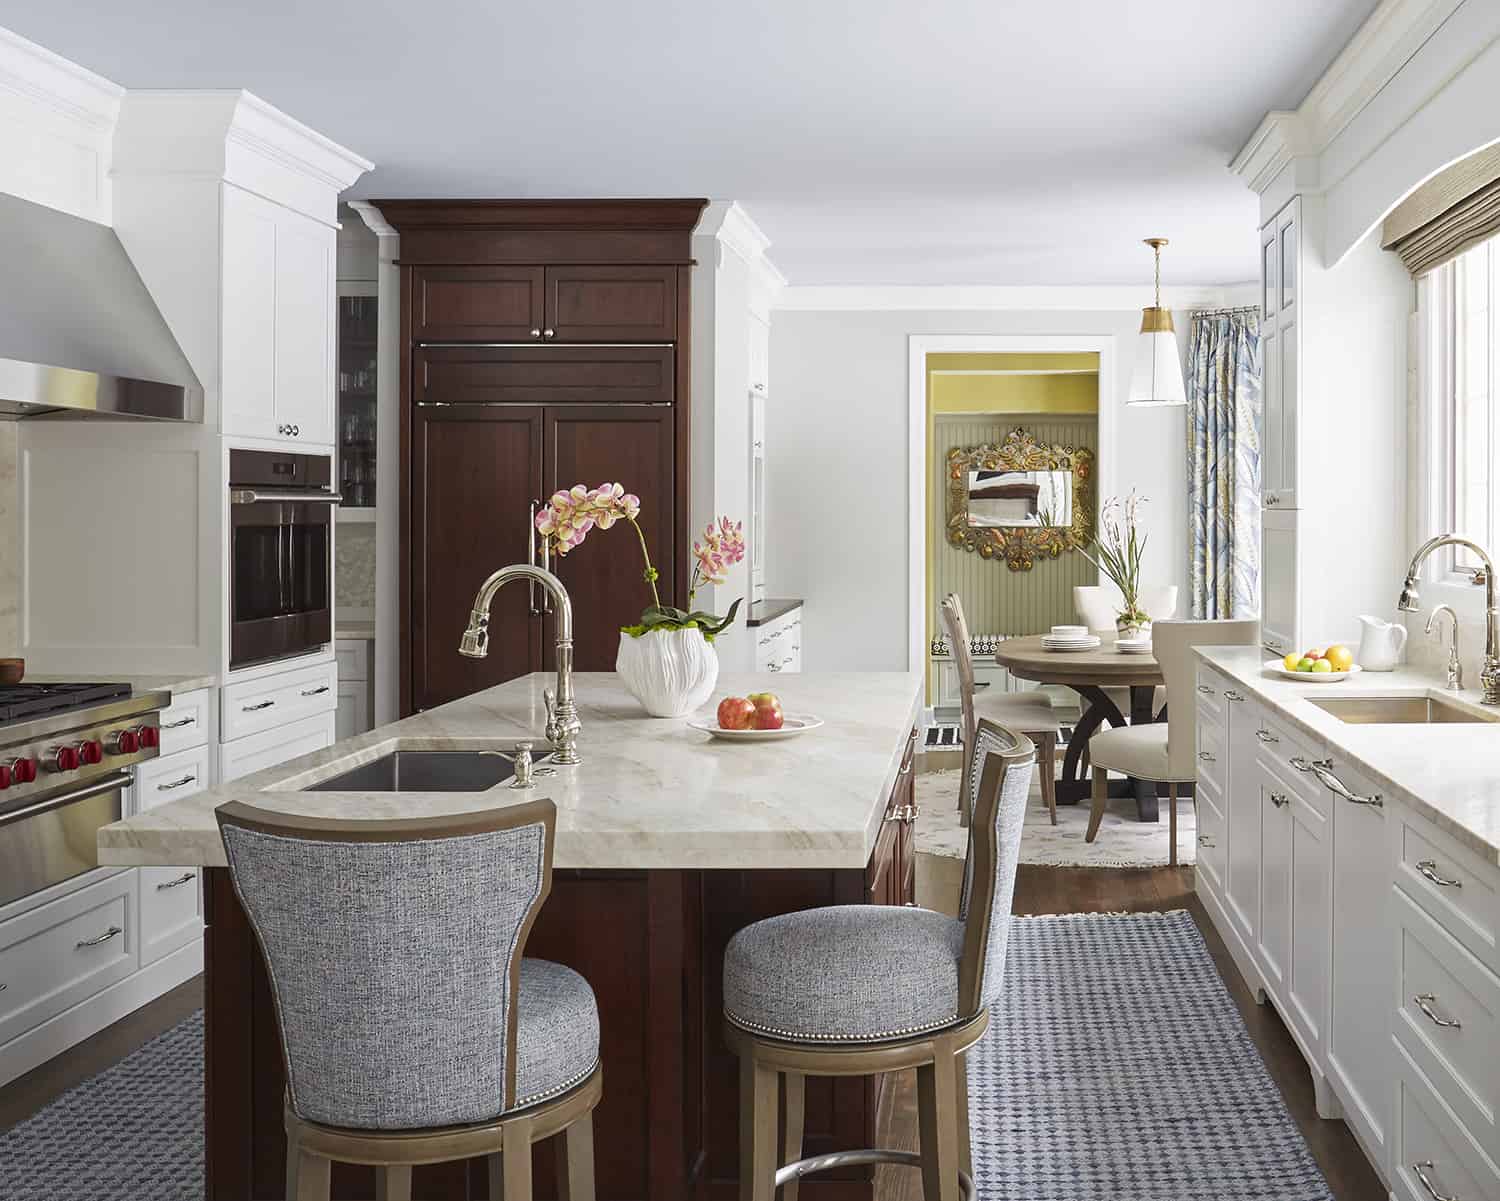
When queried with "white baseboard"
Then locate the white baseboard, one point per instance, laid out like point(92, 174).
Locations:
point(87, 1018)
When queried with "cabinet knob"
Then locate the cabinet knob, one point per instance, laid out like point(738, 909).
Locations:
point(1278, 799)
point(547, 333)
point(536, 333)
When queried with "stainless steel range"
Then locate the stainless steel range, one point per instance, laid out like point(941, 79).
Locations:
point(66, 753)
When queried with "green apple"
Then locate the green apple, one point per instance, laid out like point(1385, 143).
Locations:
point(1321, 666)
point(1305, 664)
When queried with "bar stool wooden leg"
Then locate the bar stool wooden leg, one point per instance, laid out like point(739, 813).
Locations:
point(312, 1177)
point(292, 1163)
point(757, 1131)
point(515, 1163)
point(393, 1183)
point(1100, 802)
point(575, 1161)
point(793, 1120)
point(961, 1074)
point(937, 1116)
point(1172, 824)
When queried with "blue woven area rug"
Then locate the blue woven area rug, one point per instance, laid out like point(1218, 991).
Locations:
point(1117, 1069)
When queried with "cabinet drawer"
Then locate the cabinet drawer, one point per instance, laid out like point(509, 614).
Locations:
point(1430, 1140)
point(352, 657)
point(543, 375)
point(1211, 829)
point(61, 953)
point(276, 700)
point(185, 722)
point(270, 747)
point(611, 304)
point(1446, 1018)
point(1213, 755)
point(171, 777)
point(477, 304)
point(1211, 687)
point(171, 910)
point(1459, 890)
point(1290, 756)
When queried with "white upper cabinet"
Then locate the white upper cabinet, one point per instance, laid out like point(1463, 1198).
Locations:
point(278, 322)
point(1280, 273)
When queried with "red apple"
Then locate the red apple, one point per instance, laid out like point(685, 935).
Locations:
point(768, 714)
point(736, 713)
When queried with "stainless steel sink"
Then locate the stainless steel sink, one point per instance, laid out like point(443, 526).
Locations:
point(1397, 710)
point(423, 771)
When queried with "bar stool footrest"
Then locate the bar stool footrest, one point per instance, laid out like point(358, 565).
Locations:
point(872, 1155)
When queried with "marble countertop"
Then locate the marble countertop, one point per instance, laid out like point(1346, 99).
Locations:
point(1447, 772)
point(650, 792)
point(763, 612)
point(175, 684)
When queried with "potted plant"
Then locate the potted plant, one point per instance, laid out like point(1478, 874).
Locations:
point(667, 659)
point(1120, 545)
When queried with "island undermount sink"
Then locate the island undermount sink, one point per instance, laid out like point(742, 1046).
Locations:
point(1398, 710)
point(423, 771)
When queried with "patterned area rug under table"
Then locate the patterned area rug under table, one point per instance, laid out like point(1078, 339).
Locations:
point(1072, 1101)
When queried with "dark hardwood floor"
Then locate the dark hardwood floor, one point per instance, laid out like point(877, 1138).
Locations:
point(1095, 890)
point(1038, 890)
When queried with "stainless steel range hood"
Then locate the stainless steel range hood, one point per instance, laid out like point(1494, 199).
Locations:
point(80, 335)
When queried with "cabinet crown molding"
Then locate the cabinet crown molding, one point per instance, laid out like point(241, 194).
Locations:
point(727, 226)
point(72, 92)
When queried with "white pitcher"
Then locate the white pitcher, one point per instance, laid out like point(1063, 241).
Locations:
point(1380, 643)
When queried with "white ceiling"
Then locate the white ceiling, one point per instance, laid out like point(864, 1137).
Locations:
point(920, 142)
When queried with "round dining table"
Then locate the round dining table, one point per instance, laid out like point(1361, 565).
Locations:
point(1089, 673)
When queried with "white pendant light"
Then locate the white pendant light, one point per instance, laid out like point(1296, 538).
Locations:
point(1157, 378)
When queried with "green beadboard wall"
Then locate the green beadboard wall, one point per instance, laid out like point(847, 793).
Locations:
point(997, 600)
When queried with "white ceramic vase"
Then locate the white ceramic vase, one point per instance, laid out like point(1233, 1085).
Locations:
point(671, 672)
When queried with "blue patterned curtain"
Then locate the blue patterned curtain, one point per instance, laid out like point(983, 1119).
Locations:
point(1224, 424)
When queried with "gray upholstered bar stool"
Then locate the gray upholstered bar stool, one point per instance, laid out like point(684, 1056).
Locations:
point(412, 1029)
point(854, 990)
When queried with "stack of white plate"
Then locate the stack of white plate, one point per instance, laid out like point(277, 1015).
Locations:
point(1133, 646)
point(1070, 638)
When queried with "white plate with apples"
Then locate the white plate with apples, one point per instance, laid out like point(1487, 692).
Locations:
point(754, 718)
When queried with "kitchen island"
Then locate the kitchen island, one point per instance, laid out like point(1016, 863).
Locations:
point(667, 843)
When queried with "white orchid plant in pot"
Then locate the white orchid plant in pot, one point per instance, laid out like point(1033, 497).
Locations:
point(666, 659)
point(1120, 546)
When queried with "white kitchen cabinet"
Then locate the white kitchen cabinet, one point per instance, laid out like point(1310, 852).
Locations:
point(266, 702)
point(1281, 594)
point(1280, 270)
point(270, 747)
point(1242, 818)
point(278, 311)
point(356, 689)
point(778, 643)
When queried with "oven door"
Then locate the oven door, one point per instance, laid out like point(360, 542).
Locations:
point(280, 573)
point(53, 838)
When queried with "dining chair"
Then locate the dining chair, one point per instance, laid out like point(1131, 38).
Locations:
point(1029, 712)
point(856, 990)
point(1164, 752)
point(1099, 604)
point(413, 1031)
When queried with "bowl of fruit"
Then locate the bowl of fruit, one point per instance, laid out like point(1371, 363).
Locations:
point(758, 717)
point(1317, 666)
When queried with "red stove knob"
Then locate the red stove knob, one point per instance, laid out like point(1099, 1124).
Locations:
point(23, 771)
point(90, 751)
point(124, 742)
point(63, 758)
point(4, 776)
point(150, 737)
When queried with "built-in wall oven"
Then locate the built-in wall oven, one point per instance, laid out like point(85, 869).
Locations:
point(281, 509)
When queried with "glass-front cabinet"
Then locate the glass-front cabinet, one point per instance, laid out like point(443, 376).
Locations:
point(356, 381)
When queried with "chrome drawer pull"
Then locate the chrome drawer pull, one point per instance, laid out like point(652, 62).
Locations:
point(171, 784)
point(185, 878)
point(1428, 869)
point(3, 987)
point(1266, 736)
point(1206, 756)
point(1278, 799)
point(256, 708)
point(1205, 690)
point(112, 932)
point(1427, 1164)
point(1300, 763)
point(1205, 841)
point(315, 691)
point(1323, 769)
point(179, 723)
point(1231, 695)
point(1424, 1001)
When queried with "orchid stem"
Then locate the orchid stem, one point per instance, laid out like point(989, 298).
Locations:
point(650, 570)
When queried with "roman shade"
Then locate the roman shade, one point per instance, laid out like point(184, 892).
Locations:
point(1457, 208)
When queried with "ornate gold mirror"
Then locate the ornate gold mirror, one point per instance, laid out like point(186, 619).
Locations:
point(1020, 499)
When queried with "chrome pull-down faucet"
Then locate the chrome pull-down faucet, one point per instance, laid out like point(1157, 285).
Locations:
point(1455, 666)
point(563, 725)
point(1410, 602)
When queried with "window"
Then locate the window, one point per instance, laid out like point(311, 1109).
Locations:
point(1462, 299)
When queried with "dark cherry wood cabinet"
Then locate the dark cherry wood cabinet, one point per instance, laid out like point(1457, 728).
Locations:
point(543, 344)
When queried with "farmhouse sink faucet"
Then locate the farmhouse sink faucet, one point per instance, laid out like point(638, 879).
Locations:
point(1489, 675)
point(563, 725)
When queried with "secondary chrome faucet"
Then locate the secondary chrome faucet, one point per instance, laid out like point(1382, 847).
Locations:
point(1410, 602)
point(563, 725)
point(1455, 668)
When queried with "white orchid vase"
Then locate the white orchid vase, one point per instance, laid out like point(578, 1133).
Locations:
point(1118, 549)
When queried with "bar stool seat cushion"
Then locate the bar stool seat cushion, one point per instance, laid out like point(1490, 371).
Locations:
point(557, 1031)
point(847, 973)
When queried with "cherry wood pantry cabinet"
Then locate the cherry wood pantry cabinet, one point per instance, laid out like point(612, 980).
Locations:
point(544, 344)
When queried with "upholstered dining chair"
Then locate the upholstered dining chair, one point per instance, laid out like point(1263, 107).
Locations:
point(1099, 604)
point(1029, 712)
point(413, 1031)
point(854, 990)
point(1164, 752)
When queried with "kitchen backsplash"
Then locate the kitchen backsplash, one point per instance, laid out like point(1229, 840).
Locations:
point(354, 567)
